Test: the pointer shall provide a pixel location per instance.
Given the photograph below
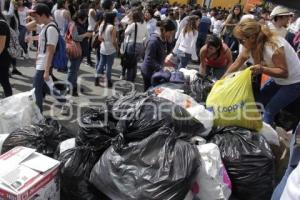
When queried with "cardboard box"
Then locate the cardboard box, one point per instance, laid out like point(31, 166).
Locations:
point(28, 175)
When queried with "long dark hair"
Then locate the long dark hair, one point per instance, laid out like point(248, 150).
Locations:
point(239, 16)
point(216, 42)
point(166, 25)
point(108, 18)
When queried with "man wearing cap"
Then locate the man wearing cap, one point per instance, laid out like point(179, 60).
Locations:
point(280, 20)
point(41, 14)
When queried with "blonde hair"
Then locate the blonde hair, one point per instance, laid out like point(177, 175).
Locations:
point(191, 25)
point(250, 27)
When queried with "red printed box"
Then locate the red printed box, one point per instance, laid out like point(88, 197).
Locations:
point(28, 175)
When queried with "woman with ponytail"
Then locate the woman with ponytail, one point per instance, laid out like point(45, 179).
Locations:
point(273, 56)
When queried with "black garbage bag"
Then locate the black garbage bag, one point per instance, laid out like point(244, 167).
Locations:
point(249, 162)
point(146, 114)
point(287, 120)
point(200, 88)
point(158, 167)
point(76, 166)
point(96, 129)
point(45, 137)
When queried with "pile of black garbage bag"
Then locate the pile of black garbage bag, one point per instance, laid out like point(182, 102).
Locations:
point(130, 149)
point(152, 130)
point(44, 137)
point(248, 160)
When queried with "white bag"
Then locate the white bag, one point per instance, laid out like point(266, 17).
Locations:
point(196, 110)
point(66, 145)
point(212, 180)
point(269, 134)
point(189, 73)
point(18, 111)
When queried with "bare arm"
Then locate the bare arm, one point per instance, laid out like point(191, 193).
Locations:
point(114, 38)
point(229, 58)
point(226, 23)
point(280, 70)
point(203, 67)
point(31, 26)
point(2, 43)
point(241, 59)
point(49, 57)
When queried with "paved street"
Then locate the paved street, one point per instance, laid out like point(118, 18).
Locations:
point(90, 95)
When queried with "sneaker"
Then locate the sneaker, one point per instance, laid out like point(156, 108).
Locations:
point(16, 72)
point(75, 93)
point(91, 63)
point(122, 77)
point(26, 56)
point(65, 110)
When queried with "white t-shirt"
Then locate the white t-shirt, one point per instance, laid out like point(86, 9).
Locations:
point(22, 15)
point(61, 21)
point(279, 31)
point(291, 190)
point(107, 47)
point(213, 20)
point(141, 35)
point(218, 25)
point(295, 26)
point(187, 43)
point(52, 38)
point(292, 61)
point(91, 21)
point(247, 16)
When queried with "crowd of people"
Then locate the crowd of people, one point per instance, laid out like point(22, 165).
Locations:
point(152, 38)
point(155, 36)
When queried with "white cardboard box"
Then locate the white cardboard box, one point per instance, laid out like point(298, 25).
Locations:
point(28, 175)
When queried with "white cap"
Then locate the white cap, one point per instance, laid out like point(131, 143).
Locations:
point(280, 11)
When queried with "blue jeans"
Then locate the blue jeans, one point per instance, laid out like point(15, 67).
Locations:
point(293, 162)
point(22, 35)
point(184, 59)
point(98, 56)
point(73, 70)
point(40, 88)
point(108, 61)
point(275, 97)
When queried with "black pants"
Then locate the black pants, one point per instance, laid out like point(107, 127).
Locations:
point(147, 81)
point(88, 57)
point(4, 81)
point(131, 73)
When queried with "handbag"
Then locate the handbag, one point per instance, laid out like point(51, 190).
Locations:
point(128, 60)
point(73, 48)
point(95, 41)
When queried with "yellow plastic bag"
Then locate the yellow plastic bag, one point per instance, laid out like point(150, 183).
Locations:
point(232, 102)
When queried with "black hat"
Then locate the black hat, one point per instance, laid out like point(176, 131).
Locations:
point(40, 9)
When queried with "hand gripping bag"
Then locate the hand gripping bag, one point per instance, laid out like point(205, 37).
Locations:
point(232, 102)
